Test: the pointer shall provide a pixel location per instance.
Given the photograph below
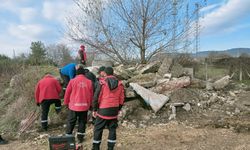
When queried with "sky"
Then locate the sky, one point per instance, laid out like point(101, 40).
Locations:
point(225, 24)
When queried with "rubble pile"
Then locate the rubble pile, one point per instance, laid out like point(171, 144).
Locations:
point(158, 92)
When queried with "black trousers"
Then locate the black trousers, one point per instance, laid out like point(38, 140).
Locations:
point(45, 110)
point(98, 130)
point(65, 79)
point(81, 117)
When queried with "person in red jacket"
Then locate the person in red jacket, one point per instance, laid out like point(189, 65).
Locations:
point(78, 98)
point(46, 93)
point(107, 103)
point(82, 55)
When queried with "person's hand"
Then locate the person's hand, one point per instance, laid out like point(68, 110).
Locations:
point(94, 114)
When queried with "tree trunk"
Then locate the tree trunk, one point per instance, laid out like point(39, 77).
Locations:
point(143, 59)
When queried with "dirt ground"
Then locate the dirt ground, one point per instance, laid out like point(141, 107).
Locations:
point(171, 136)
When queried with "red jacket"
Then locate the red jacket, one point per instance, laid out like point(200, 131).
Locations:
point(83, 55)
point(79, 94)
point(110, 99)
point(47, 88)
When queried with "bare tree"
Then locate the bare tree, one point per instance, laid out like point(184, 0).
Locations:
point(127, 29)
point(59, 54)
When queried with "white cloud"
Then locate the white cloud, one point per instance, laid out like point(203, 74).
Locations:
point(210, 7)
point(27, 14)
point(26, 31)
point(56, 10)
point(225, 17)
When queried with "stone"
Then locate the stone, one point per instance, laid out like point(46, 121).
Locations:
point(105, 63)
point(146, 80)
point(165, 66)
point(167, 75)
point(221, 83)
point(156, 101)
point(172, 85)
point(187, 107)
point(129, 93)
point(121, 73)
point(150, 68)
point(177, 70)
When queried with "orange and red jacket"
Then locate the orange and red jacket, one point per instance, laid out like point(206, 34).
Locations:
point(109, 98)
point(47, 88)
point(79, 94)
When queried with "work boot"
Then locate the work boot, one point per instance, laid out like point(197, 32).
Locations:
point(111, 146)
point(96, 146)
point(2, 141)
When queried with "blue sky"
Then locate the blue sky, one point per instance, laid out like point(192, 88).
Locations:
point(226, 24)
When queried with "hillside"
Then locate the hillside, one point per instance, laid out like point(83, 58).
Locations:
point(234, 52)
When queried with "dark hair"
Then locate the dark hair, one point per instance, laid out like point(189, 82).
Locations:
point(109, 70)
point(80, 71)
point(102, 68)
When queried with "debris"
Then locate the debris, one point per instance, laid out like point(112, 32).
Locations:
point(165, 66)
point(221, 83)
point(146, 80)
point(177, 70)
point(156, 101)
point(151, 67)
point(105, 63)
point(187, 107)
point(122, 73)
point(129, 93)
point(167, 75)
point(168, 87)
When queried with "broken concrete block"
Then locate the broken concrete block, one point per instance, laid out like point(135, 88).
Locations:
point(187, 107)
point(156, 101)
point(167, 75)
point(121, 73)
point(221, 83)
point(151, 67)
point(105, 63)
point(170, 86)
point(165, 66)
point(146, 80)
point(177, 70)
point(130, 93)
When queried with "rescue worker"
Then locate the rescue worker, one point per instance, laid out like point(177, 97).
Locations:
point(47, 92)
point(78, 98)
point(82, 55)
point(67, 73)
point(107, 103)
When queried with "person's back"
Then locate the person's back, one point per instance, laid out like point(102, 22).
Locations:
point(48, 88)
point(79, 93)
point(69, 70)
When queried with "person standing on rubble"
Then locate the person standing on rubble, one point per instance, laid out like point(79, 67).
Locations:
point(78, 98)
point(107, 103)
point(47, 92)
point(82, 55)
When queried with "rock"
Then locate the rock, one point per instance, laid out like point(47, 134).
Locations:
point(237, 111)
point(197, 83)
point(151, 67)
point(232, 94)
point(162, 81)
point(189, 72)
point(129, 107)
point(15, 81)
point(129, 93)
point(156, 101)
point(165, 66)
point(172, 85)
point(177, 70)
point(187, 107)
point(167, 75)
point(173, 115)
point(145, 80)
point(43, 136)
point(221, 83)
point(209, 86)
point(121, 73)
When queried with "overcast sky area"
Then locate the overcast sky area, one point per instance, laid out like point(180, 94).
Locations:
point(225, 24)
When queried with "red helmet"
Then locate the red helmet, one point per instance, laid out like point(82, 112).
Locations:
point(82, 47)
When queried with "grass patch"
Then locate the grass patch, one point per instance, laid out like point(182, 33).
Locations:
point(212, 72)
